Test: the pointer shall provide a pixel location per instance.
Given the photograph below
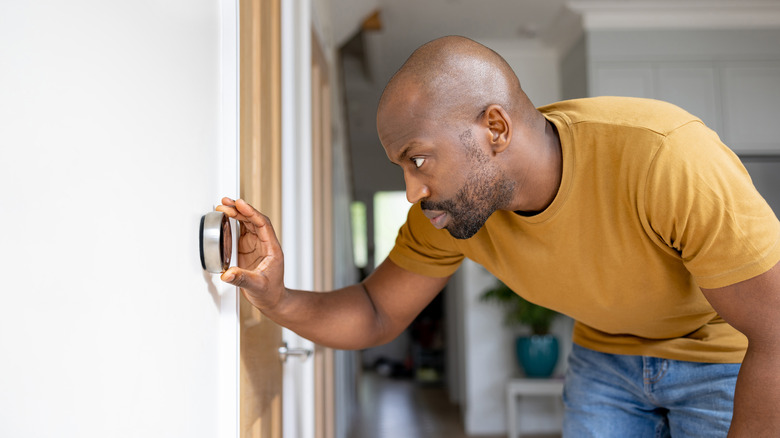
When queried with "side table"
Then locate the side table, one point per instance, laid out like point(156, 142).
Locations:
point(528, 387)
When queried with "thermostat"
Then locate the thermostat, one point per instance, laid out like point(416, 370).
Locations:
point(216, 242)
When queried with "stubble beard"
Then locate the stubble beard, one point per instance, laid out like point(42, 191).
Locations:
point(486, 190)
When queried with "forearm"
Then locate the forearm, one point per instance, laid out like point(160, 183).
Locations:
point(757, 396)
point(359, 316)
point(344, 319)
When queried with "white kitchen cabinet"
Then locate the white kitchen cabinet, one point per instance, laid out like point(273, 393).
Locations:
point(728, 78)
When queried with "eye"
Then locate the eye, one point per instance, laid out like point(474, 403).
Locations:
point(418, 161)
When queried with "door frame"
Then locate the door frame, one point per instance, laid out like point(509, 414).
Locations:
point(322, 245)
point(228, 184)
point(297, 232)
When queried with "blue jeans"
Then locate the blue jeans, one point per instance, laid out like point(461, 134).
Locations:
point(611, 395)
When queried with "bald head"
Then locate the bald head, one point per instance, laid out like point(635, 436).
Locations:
point(455, 77)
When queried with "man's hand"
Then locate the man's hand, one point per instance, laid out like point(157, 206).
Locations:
point(357, 316)
point(260, 271)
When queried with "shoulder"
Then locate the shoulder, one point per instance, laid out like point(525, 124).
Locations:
point(622, 112)
point(423, 249)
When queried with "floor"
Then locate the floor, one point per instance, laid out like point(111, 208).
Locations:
point(401, 408)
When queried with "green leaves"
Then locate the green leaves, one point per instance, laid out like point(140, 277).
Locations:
point(519, 311)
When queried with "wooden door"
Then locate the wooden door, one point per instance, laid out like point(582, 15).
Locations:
point(260, 67)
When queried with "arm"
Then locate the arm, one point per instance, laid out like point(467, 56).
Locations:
point(370, 313)
point(362, 315)
point(753, 307)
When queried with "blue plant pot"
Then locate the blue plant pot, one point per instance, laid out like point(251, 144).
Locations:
point(537, 355)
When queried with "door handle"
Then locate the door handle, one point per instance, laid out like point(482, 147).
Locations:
point(216, 242)
point(285, 352)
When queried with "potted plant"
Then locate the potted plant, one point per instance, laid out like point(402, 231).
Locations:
point(538, 352)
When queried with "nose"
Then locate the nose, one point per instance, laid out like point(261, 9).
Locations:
point(415, 189)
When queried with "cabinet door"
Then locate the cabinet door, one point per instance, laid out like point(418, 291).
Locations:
point(633, 80)
point(751, 105)
point(692, 87)
point(765, 172)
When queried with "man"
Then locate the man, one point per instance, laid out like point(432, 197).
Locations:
point(629, 215)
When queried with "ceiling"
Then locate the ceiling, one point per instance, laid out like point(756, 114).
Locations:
point(416, 20)
point(407, 24)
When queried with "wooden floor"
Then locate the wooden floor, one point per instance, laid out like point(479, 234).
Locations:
point(401, 408)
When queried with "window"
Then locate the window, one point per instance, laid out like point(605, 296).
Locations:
point(359, 234)
point(390, 210)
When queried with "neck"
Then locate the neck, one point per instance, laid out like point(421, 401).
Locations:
point(555, 162)
point(541, 176)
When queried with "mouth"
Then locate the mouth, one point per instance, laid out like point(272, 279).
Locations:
point(437, 218)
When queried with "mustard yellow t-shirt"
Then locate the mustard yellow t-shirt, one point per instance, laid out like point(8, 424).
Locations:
point(651, 207)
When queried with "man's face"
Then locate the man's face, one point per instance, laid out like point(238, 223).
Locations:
point(484, 190)
point(446, 169)
point(453, 178)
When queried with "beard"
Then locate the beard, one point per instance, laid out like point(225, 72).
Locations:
point(486, 190)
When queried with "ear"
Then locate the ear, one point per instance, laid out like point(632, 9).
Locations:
point(499, 127)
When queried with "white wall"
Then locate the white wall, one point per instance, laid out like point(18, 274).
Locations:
point(486, 353)
point(109, 140)
point(535, 64)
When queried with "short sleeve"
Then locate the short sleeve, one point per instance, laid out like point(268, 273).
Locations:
point(701, 203)
point(423, 249)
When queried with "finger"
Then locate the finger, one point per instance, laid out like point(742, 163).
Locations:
point(228, 210)
point(230, 207)
point(243, 278)
point(247, 226)
point(254, 216)
point(232, 212)
point(264, 231)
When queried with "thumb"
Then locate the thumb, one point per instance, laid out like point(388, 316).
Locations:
point(241, 278)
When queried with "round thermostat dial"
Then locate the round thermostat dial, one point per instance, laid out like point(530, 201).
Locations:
point(216, 242)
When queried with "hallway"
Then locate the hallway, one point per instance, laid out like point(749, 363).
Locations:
point(402, 408)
